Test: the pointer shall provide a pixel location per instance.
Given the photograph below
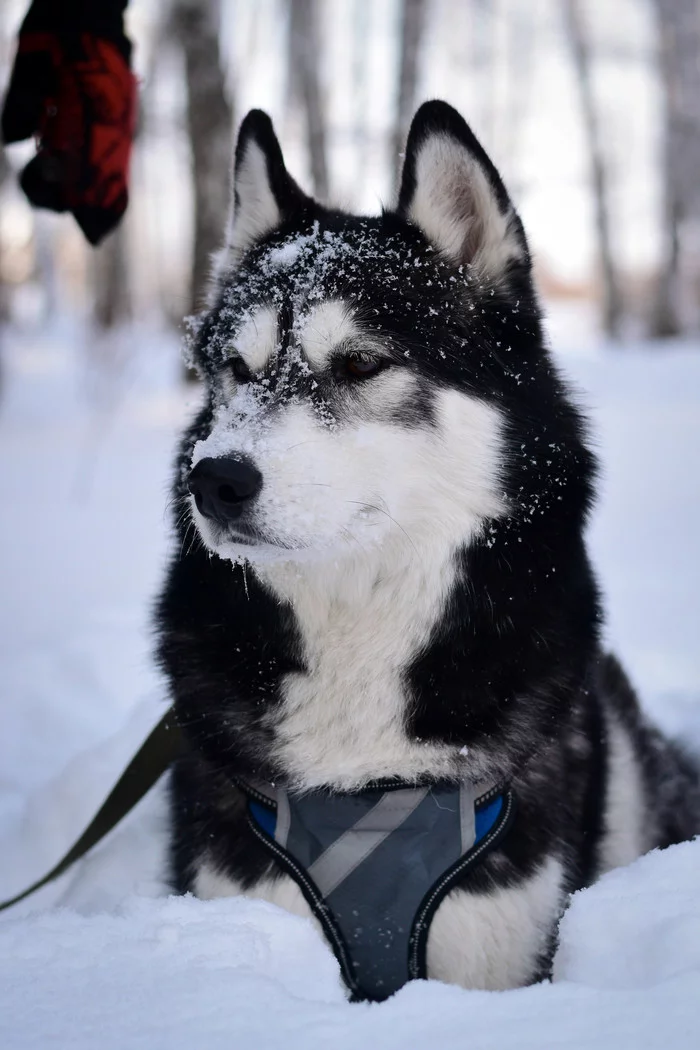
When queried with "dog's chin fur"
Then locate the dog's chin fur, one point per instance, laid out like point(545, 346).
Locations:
point(415, 600)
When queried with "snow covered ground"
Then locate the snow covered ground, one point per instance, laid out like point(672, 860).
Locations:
point(102, 958)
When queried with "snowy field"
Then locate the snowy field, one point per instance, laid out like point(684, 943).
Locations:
point(102, 958)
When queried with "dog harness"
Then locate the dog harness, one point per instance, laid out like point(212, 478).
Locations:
point(374, 865)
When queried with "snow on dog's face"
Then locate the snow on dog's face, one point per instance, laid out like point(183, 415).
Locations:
point(355, 369)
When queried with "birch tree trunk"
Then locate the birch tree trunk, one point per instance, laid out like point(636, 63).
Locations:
point(412, 26)
point(305, 86)
point(581, 53)
point(679, 63)
point(111, 294)
point(210, 129)
point(361, 27)
point(4, 291)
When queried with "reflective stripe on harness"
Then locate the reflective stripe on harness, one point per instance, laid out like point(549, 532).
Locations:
point(374, 865)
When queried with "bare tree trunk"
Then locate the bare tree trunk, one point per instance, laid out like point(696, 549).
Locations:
point(679, 60)
point(666, 314)
point(482, 62)
point(519, 32)
point(580, 47)
point(209, 124)
point(412, 26)
point(111, 293)
point(305, 85)
point(360, 86)
point(4, 290)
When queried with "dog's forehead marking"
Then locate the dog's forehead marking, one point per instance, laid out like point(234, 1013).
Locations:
point(324, 328)
point(257, 338)
point(324, 268)
point(316, 331)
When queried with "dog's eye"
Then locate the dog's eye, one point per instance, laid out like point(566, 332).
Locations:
point(355, 367)
point(240, 370)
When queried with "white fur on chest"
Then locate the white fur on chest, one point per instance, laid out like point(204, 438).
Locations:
point(495, 940)
point(343, 722)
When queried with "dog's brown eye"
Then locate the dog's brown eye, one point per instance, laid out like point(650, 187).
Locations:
point(240, 370)
point(361, 367)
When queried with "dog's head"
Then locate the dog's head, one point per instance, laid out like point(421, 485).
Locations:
point(367, 376)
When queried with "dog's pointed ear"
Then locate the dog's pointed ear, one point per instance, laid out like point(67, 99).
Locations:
point(451, 190)
point(264, 194)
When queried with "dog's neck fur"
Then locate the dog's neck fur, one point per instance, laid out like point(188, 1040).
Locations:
point(362, 619)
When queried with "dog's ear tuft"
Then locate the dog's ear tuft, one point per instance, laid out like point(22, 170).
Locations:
point(451, 190)
point(264, 193)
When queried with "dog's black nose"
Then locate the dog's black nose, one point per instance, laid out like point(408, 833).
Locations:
point(222, 487)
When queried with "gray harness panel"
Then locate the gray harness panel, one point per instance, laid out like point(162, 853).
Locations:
point(366, 862)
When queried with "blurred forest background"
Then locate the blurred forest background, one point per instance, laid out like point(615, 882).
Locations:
point(590, 108)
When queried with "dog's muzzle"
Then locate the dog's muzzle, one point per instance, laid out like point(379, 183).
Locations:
point(223, 488)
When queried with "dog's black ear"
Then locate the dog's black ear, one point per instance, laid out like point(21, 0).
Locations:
point(264, 193)
point(451, 190)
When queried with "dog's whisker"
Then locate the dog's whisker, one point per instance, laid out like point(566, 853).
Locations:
point(178, 500)
point(195, 539)
point(381, 510)
point(184, 540)
point(182, 516)
point(309, 441)
point(350, 537)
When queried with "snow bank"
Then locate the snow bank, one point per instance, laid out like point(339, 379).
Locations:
point(109, 961)
point(104, 958)
point(181, 973)
point(638, 927)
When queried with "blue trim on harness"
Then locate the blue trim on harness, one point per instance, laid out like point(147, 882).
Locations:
point(264, 816)
point(485, 817)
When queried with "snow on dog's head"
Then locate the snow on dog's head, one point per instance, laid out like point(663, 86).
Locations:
point(358, 368)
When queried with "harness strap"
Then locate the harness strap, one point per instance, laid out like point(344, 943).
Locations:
point(268, 793)
point(374, 865)
point(160, 748)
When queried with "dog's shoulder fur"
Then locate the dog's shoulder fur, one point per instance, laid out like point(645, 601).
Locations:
point(408, 593)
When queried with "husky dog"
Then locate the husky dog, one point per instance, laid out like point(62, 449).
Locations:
point(381, 601)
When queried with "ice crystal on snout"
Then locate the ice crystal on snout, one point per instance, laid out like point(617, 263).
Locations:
point(192, 324)
point(284, 255)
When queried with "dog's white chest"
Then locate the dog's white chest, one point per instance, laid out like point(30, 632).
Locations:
point(343, 721)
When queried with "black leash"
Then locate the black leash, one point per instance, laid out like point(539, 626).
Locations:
point(160, 748)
